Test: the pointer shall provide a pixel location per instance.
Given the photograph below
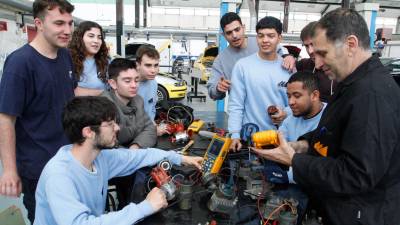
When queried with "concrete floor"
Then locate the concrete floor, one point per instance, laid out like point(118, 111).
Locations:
point(196, 104)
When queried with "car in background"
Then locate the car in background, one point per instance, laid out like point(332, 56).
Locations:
point(393, 65)
point(205, 62)
point(169, 87)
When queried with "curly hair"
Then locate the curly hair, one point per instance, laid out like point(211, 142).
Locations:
point(78, 51)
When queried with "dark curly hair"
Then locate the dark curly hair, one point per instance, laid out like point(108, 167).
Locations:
point(78, 51)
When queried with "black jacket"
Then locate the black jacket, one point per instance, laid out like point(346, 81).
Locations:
point(353, 164)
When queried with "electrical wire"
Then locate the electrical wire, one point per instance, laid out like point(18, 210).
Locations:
point(173, 107)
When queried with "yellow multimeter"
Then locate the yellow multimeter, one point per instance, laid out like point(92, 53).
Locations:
point(196, 125)
point(215, 154)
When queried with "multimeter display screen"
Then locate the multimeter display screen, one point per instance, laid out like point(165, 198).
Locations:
point(216, 147)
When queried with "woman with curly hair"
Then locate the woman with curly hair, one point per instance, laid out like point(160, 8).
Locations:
point(90, 58)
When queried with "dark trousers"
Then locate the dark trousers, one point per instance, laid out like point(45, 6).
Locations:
point(131, 188)
point(29, 189)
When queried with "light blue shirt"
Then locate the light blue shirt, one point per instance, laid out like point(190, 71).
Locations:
point(256, 84)
point(69, 194)
point(148, 91)
point(293, 127)
point(226, 60)
point(89, 77)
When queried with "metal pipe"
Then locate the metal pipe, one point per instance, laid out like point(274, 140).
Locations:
point(22, 5)
point(167, 32)
point(137, 14)
point(144, 13)
point(119, 7)
point(253, 15)
point(286, 16)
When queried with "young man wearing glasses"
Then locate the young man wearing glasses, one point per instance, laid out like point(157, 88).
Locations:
point(72, 188)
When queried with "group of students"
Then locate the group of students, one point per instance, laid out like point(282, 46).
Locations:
point(59, 150)
point(340, 136)
point(56, 148)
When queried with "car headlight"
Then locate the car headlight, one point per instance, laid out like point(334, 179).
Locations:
point(180, 83)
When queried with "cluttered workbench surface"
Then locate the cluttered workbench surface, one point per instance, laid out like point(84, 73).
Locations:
point(230, 189)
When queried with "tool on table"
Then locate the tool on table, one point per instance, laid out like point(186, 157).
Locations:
point(184, 150)
point(214, 157)
point(196, 125)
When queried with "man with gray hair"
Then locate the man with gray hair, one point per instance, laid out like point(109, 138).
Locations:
point(350, 163)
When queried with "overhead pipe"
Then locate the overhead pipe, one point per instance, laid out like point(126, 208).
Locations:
point(22, 5)
point(253, 15)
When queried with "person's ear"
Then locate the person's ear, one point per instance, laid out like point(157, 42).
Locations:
point(279, 38)
point(315, 95)
point(88, 133)
point(352, 44)
point(112, 83)
point(38, 23)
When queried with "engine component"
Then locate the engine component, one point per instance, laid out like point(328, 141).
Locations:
point(271, 206)
point(164, 182)
point(185, 196)
point(220, 203)
point(287, 218)
point(178, 132)
point(165, 165)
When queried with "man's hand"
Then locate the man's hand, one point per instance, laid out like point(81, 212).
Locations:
point(134, 146)
point(282, 154)
point(157, 199)
point(223, 85)
point(161, 130)
point(192, 161)
point(235, 145)
point(278, 117)
point(289, 63)
point(10, 184)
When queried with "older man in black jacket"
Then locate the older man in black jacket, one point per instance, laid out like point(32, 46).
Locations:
point(352, 162)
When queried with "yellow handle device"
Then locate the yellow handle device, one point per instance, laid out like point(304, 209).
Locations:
point(265, 138)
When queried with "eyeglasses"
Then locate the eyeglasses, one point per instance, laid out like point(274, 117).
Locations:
point(113, 124)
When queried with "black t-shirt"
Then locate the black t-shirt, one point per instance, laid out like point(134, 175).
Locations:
point(35, 89)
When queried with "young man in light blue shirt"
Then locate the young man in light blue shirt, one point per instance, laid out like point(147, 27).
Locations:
point(259, 81)
point(148, 66)
point(239, 47)
point(304, 101)
point(72, 188)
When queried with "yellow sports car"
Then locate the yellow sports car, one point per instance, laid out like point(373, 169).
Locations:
point(170, 88)
point(205, 61)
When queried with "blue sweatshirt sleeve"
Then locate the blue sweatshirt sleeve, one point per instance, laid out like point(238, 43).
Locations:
point(122, 162)
point(66, 208)
point(236, 101)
